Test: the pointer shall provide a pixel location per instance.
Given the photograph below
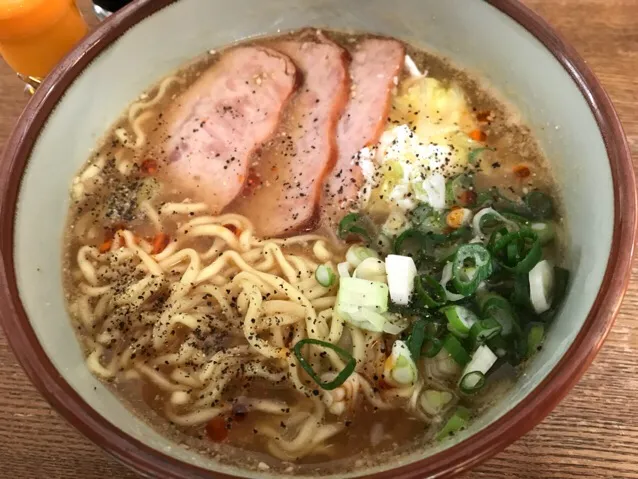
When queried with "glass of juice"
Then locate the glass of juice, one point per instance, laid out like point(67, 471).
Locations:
point(36, 34)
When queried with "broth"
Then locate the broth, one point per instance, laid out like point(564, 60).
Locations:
point(161, 287)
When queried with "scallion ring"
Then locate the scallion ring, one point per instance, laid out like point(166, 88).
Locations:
point(472, 382)
point(485, 330)
point(351, 224)
point(453, 346)
point(325, 276)
point(457, 422)
point(460, 320)
point(429, 291)
point(496, 307)
point(341, 378)
point(535, 336)
point(472, 264)
point(518, 252)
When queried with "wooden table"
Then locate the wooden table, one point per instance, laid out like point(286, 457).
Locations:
point(592, 434)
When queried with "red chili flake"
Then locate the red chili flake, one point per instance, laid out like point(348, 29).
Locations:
point(233, 229)
point(521, 171)
point(160, 242)
point(216, 429)
point(149, 167)
point(106, 246)
point(467, 198)
point(478, 135)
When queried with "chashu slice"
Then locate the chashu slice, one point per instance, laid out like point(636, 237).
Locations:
point(376, 63)
point(284, 189)
point(211, 131)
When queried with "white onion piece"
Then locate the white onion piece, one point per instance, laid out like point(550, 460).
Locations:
point(344, 269)
point(482, 361)
point(476, 222)
point(446, 276)
point(541, 286)
point(401, 272)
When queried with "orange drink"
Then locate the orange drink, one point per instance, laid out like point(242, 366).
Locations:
point(36, 34)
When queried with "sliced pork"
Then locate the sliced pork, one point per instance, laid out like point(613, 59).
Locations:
point(215, 127)
point(375, 65)
point(285, 187)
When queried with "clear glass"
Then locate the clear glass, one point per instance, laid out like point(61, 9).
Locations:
point(100, 12)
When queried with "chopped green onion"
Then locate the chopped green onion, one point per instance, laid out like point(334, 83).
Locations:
point(427, 219)
point(361, 317)
point(457, 422)
point(472, 382)
point(356, 254)
point(341, 378)
point(466, 278)
point(492, 218)
point(400, 367)
point(484, 330)
point(545, 230)
point(416, 338)
point(418, 240)
point(482, 361)
point(454, 347)
point(520, 294)
point(495, 306)
point(541, 286)
point(429, 291)
point(460, 320)
point(446, 276)
point(535, 337)
point(325, 276)
point(540, 205)
point(362, 303)
point(353, 223)
point(433, 402)
point(518, 252)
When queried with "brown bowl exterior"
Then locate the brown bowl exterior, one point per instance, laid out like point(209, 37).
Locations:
point(458, 458)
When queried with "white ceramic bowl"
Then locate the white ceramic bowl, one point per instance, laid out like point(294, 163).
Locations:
point(500, 40)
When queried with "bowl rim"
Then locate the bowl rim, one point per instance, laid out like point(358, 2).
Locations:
point(460, 457)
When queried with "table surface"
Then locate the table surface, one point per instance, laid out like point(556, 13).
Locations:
point(593, 433)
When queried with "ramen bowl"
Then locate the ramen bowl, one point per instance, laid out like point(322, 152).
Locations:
point(510, 48)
